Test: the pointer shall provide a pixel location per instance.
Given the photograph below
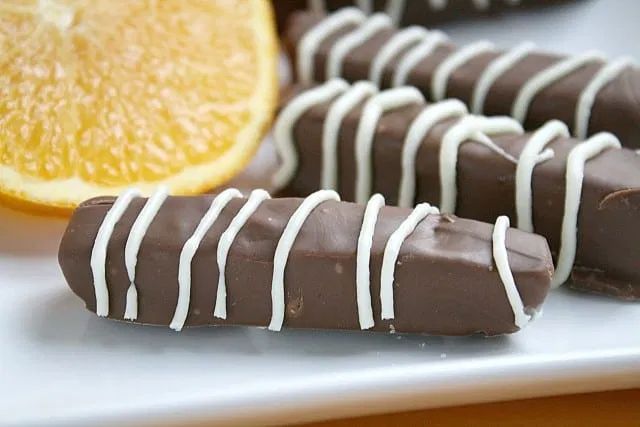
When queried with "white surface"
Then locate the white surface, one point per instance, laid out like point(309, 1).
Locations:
point(61, 364)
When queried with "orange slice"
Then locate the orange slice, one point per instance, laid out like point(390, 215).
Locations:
point(99, 95)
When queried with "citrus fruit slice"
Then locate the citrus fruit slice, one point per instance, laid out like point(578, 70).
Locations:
point(99, 95)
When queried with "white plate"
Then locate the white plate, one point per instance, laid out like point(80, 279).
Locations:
point(60, 364)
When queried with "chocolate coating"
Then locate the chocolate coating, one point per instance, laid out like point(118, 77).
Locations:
point(417, 12)
point(607, 259)
point(616, 108)
point(445, 280)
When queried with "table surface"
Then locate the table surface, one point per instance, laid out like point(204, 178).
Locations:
point(612, 408)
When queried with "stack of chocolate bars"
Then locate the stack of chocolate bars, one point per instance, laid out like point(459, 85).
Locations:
point(397, 195)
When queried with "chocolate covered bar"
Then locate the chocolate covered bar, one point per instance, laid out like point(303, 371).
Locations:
point(584, 91)
point(583, 196)
point(414, 12)
point(315, 263)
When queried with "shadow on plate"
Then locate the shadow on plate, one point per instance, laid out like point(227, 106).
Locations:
point(61, 320)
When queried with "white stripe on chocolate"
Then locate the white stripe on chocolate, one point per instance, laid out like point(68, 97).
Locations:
point(444, 70)
point(317, 6)
point(283, 128)
point(478, 4)
point(414, 56)
point(437, 4)
point(588, 96)
point(365, 6)
point(189, 250)
point(138, 230)
point(418, 130)
point(309, 43)
point(373, 110)
point(363, 258)
point(481, 4)
point(469, 128)
point(397, 43)
point(99, 250)
point(391, 252)
point(395, 9)
point(546, 78)
point(331, 129)
point(355, 38)
point(497, 68)
point(501, 259)
point(283, 248)
point(574, 176)
point(530, 156)
point(224, 245)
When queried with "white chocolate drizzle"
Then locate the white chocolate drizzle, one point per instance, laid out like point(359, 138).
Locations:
point(363, 258)
point(497, 68)
point(501, 259)
point(418, 130)
point(531, 155)
point(469, 128)
point(331, 129)
point(189, 250)
point(373, 110)
point(481, 4)
point(444, 70)
point(588, 96)
point(309, 43)
point(398, 42)
point(283, 128)
point(355, 38)
point(478, 4)
point(391, 252)
point(224, 245)
point(574, 176)
point(138, 230)
point(99, 251)
point(395, 9)
point(545, 78)
point(437, 4)
point(414, 55)
point(365, 6)
point(317, 6)
point(283, 248)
